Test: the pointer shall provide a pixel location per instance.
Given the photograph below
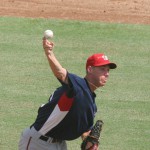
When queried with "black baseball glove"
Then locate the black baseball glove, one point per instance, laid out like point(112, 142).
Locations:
point(91, 142)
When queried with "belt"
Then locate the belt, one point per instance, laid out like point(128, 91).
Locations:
point(45, 138)
point(53, 140)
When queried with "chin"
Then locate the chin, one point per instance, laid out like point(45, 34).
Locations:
point(102, 84)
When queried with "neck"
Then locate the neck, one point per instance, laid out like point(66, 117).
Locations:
point(93, 87)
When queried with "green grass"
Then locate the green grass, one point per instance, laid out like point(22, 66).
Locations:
point(26, 80)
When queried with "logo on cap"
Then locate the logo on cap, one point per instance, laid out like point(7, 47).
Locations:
point(105, 57)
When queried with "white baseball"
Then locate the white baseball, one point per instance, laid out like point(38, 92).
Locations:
point(48, 34)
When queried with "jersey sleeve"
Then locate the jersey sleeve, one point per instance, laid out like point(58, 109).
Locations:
point(75, 84)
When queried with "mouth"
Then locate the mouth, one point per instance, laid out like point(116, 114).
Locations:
point(103, 82)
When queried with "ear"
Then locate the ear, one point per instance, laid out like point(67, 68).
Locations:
point(89, 69)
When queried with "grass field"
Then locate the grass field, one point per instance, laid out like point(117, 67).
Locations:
point(26, 80)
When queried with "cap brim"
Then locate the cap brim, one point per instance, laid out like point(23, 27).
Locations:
point(112, 65)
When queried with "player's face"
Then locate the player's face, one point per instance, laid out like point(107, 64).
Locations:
point(100, 75)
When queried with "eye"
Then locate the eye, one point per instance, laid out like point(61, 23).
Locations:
point(102, 68)
point(105, 69)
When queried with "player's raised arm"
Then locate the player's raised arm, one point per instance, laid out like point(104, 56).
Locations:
point(55, 66)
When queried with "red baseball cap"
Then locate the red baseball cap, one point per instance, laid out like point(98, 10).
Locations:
point(99, 60)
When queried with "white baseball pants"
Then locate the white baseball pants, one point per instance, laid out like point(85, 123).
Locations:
point(30, 140)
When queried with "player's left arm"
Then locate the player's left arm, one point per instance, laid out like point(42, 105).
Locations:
point(56, 67)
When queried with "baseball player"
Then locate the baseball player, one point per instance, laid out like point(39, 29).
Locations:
point(70, 110)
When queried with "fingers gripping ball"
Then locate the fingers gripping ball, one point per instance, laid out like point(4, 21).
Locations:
point(48, 34)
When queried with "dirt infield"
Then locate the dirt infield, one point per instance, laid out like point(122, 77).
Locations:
point(122, 11)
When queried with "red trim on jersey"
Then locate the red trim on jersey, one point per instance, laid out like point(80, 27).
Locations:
point(27, 148)
point(65, 102)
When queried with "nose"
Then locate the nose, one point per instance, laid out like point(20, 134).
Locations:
point(107, 73)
